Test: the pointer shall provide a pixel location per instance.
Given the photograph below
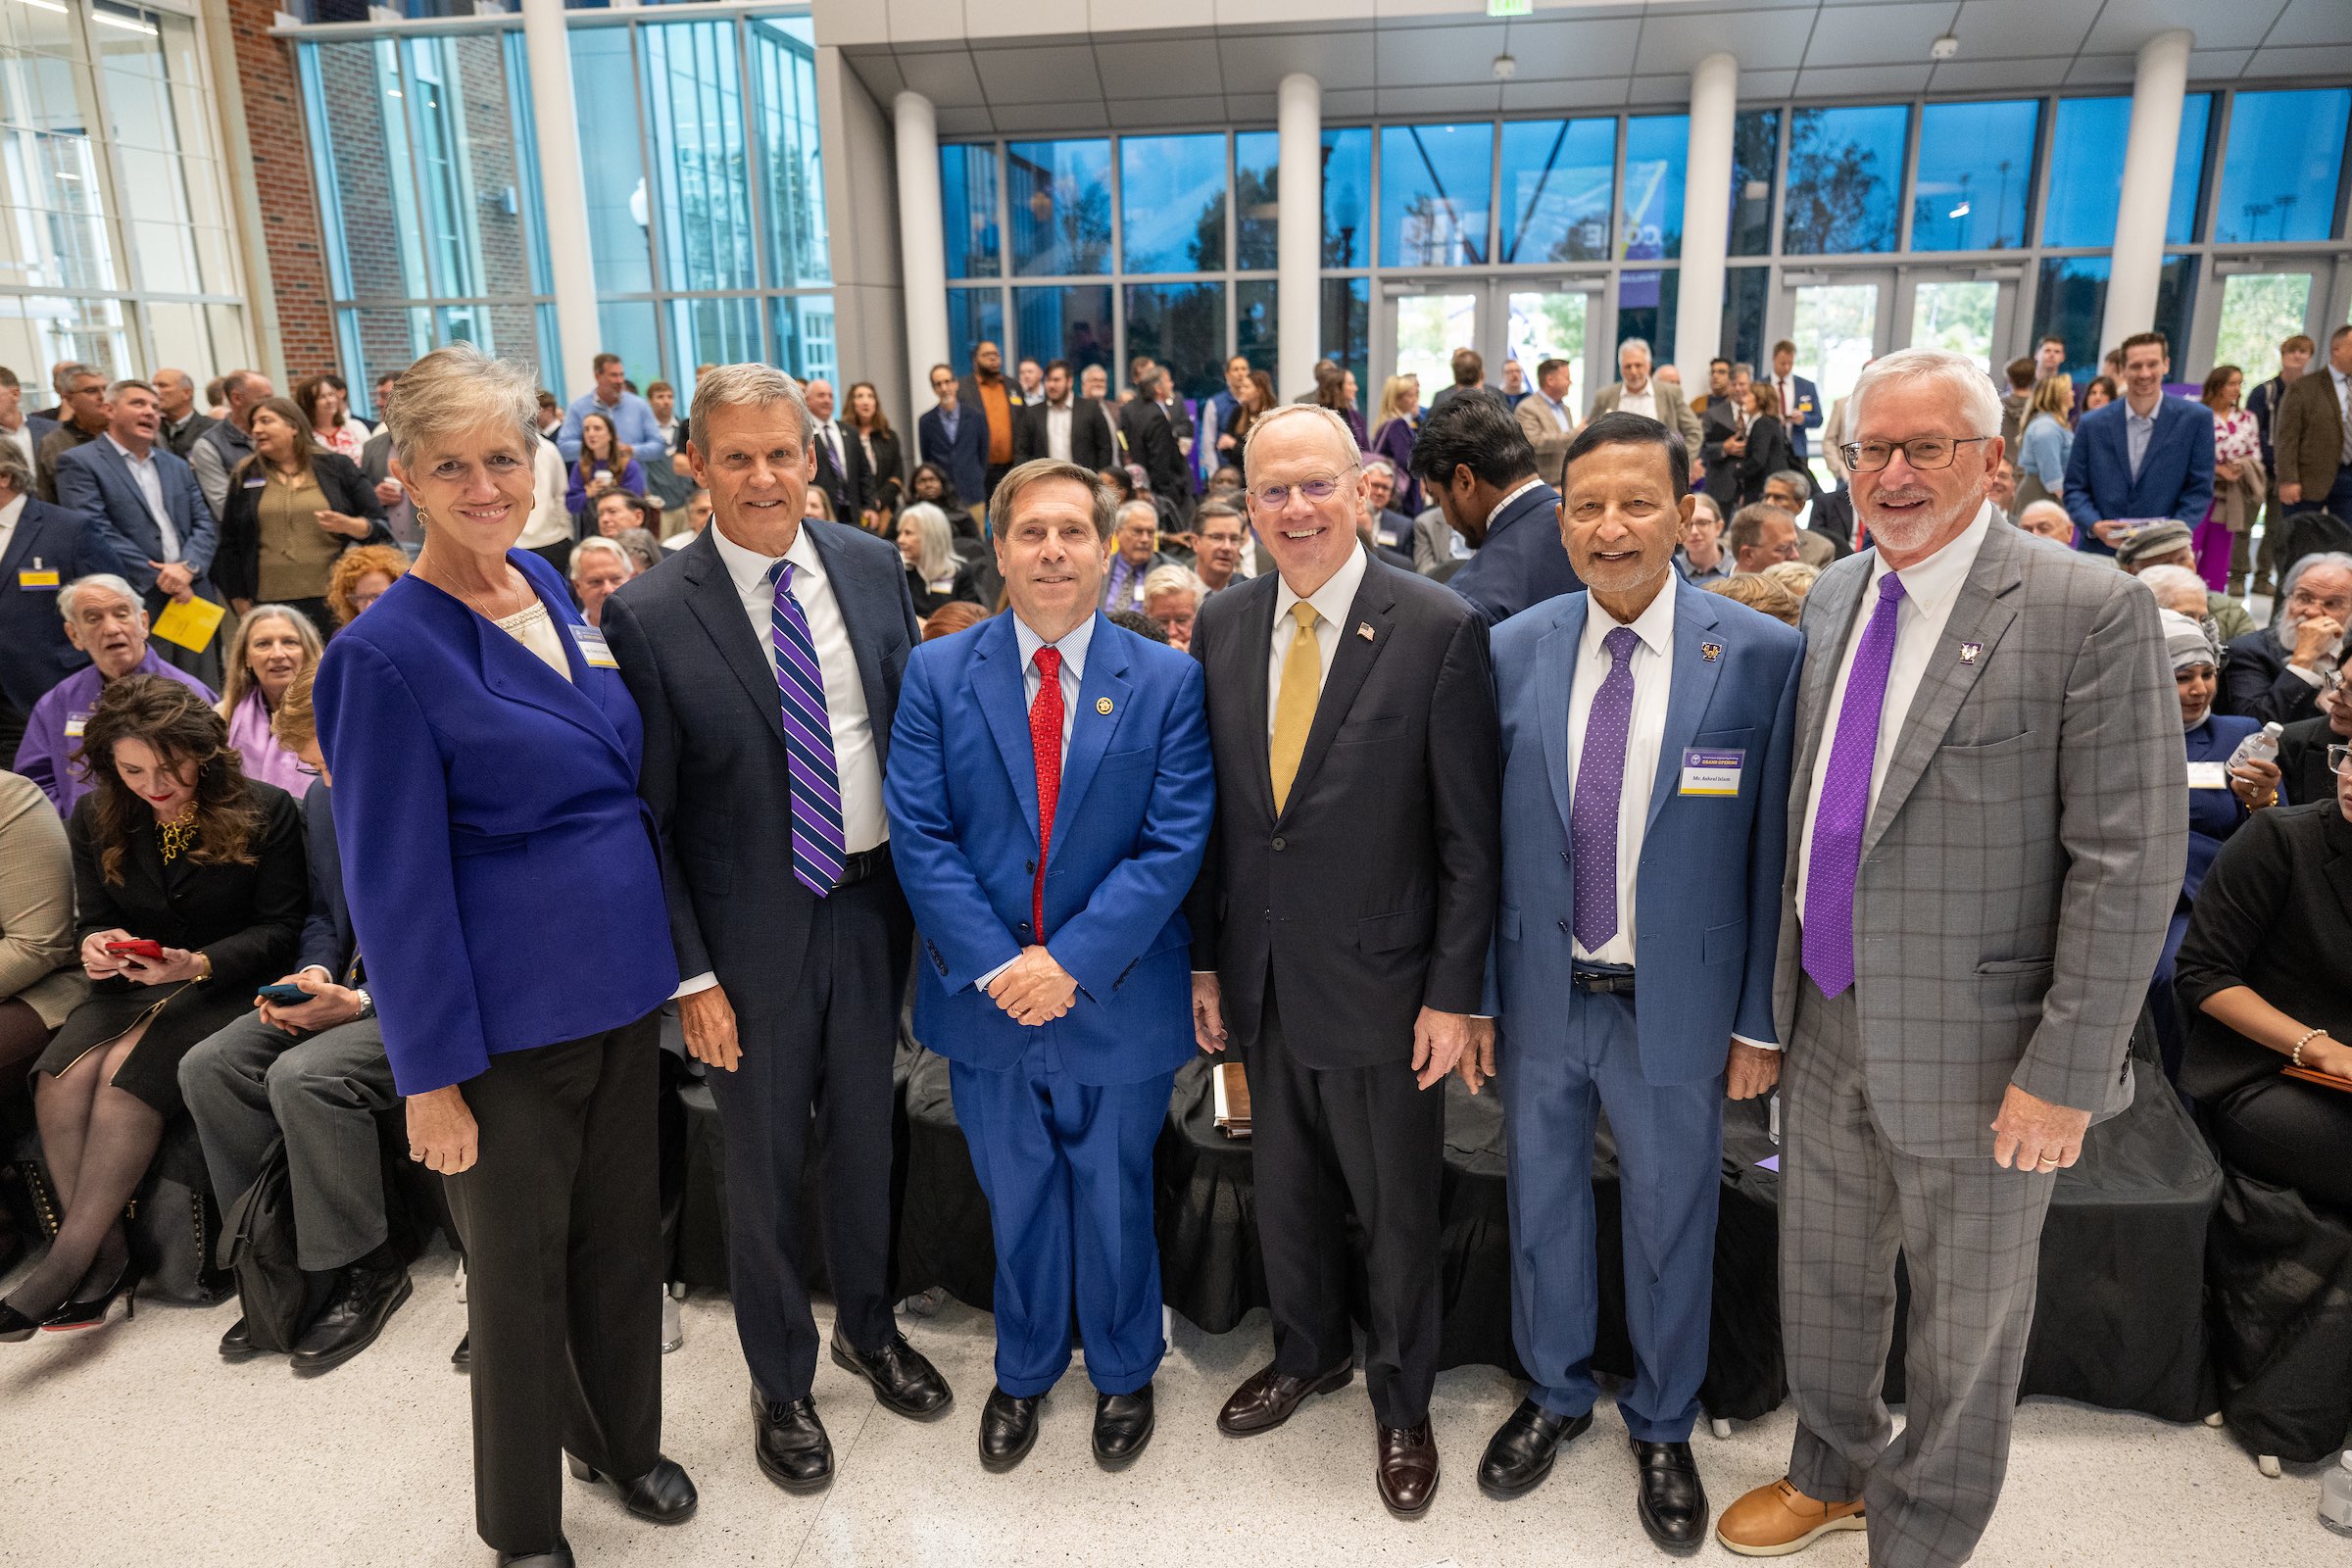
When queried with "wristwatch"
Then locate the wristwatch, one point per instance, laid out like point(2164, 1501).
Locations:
point(367, 1004)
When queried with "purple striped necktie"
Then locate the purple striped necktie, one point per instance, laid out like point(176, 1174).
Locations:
point(817, 853)
point(1840, 821)
point(1599, 791)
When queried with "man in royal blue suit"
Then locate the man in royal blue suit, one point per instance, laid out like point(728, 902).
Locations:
point(1050, 792)
point(1645, 750)
point(2147, 455)
point(1480, 468)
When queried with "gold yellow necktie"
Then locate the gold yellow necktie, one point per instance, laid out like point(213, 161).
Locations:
point(1295, 707)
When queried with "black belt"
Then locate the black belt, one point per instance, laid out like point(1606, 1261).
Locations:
point(1600, 981)
point(864, 863)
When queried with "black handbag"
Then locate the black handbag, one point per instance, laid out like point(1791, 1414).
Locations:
point(2308, 532)
point(257, 1243)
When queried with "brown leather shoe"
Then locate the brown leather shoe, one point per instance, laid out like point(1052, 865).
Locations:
point(1408, 1470)
point(1266, 1401)
point(1777, 1520)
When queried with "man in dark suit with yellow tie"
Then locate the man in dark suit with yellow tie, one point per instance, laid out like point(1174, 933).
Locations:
point(1340, 926)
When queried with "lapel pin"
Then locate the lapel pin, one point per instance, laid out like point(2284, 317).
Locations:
point(1968, 651)
point(1710, 651)
point(1363, 629)
point(1102, 705)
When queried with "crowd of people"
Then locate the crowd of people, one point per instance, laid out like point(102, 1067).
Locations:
point(1133, 727)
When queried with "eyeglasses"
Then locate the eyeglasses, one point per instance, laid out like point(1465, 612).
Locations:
point(1275, 497)
point(1927, 453)
point(2338, 757)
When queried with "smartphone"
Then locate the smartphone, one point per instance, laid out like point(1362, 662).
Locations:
point(136, 949)
point(287, 995)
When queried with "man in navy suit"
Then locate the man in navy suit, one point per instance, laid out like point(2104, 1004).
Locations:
point(146, 503)
point(2146, 455)
point(1050, 792)
point(1479, 464)
point(1645, 751)
point(955, 437)
point(42, 548)
point(766, 658)
point(1801, 399)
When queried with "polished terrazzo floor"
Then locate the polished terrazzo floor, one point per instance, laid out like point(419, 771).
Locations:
point(137, 1446)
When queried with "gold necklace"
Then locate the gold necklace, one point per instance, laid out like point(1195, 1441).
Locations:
point(179, 833)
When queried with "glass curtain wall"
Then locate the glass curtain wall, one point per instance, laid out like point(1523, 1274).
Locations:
point(706, 196)
point(115, 238)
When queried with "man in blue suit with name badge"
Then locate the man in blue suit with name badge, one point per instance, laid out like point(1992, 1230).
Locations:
point(2145, 456)
point(1049, 792)
point(1646, 730)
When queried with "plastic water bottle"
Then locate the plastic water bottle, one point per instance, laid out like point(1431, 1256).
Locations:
point(2260, 746)
point(2335, 1497)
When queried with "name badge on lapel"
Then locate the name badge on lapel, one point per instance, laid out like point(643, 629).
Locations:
point(75, 723)
point(1714, 773)
point(256, 481)
point(36, 576)
point(593, 649)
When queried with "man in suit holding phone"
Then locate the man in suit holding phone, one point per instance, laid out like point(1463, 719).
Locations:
point(766, 659)
point(1340, 927)
point(1646, 738)
point(1051, 799)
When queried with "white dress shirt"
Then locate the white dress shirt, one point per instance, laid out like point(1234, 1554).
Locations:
point(8, 522)
point(22, 435)
point(1058, 429)
point(150, 480)
point(1930, 588)
point(1644, 402)
point(828, 435)
point(1653, 669)
point(1072, 647)
point(1330, 602)
point(1785, 387)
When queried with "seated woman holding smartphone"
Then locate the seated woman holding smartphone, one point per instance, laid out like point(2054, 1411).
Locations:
point(192, 885)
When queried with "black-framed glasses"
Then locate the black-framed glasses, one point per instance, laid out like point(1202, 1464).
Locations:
point(1927, 453)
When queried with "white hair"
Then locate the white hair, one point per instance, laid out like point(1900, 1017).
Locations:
point(598, 544)
point(1294, 411)
point(2170, 583)
point(1173, 578)
point(1962, 378)
point(73, 591)
point(1641, 343)
point(938, 557)
point(1137, 504)
point(2034, 508)
point(2321, 558)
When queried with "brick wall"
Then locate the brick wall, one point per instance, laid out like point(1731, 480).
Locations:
point(288, 198)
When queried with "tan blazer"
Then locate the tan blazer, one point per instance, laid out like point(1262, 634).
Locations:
point(1674, 411)
point(38, 964)
point(1544, 433)
point(2309, 435)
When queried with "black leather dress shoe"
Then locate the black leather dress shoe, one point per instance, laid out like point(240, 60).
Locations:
point(791, 1444)
point(1673, 1504)
point(1007, 1429)
point(1267, 1397)
point(560, 1557)
point(1521, 1451)
point(662, 1495)
point(1122, 1426)
point(903, 1379)
point(364, 1302)
point(463, 1356)
point(237, 1344)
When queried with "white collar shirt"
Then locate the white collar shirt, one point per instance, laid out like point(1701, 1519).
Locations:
point(1058, 429)
point(1653, 671)
point(1072, 648)
point(148, 476)
point(1332, 603)
point(1511, 500)
point(1644, 402)
point(10, 514)
point(1930, 588)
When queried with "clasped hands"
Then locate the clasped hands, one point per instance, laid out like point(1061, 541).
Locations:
point(1034, 988)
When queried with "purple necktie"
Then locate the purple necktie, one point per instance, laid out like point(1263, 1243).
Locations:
point(1844, 811)
point(818, 851)
point(1600, 782)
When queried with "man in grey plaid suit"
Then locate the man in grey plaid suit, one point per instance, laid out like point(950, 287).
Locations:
point(1989, 813)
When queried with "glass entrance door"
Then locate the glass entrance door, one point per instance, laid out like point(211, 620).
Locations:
point(2259, 311)
point(1555, 324)
point(1839, 321)
point(1962, 314)
point(1421, 329)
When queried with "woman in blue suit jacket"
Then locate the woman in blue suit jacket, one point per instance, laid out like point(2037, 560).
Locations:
point(506, 891)
point(2220, 802)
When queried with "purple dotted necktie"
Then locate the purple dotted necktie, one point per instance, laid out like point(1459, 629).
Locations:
point(1600, 784)
point(1843, 814)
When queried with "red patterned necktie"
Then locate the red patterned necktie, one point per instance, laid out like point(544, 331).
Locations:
point(1044, 741)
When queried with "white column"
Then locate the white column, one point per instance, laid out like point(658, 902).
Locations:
point(2138, 262)
point(922, 241)
point(547, 47)
point(1298, 234)
point(1706, 217)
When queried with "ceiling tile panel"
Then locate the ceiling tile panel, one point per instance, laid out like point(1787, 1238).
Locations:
point(2217, 65)
point(1875, 35)
point(2325, 63)
point(2021, 30)
point(1673, 43)
point(1452, 57)
point(1598, 92)
point(1258, 62)
point(2124, 25)
point(1416, 101)
point(946, 79)
point(1554, 49)
point(2311, 22)
point(1053, 73)
point(1154, 70)
point(1860, 82)
point(1999, 76)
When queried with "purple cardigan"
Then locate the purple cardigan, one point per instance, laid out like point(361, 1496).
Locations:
point(53, 732)
point(1395, 442)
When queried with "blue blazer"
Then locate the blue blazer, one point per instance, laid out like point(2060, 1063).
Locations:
point(2214, 815)
point(327, 938)
point(2176, 476)
point(965, 457)
point(501, 871)
point(1708, 890)
point(94, 481)
point(1522, 560)
point(1807, 414)
point(34, 654)
point(1130, 830)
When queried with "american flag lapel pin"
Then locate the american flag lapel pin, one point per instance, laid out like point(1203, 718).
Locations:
point(1968, 651)
point(1363, 629)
